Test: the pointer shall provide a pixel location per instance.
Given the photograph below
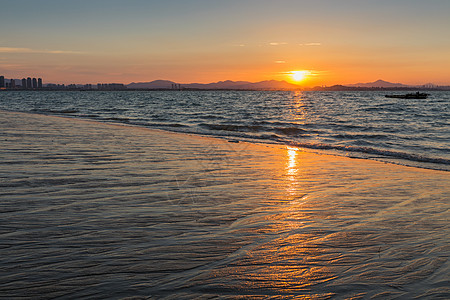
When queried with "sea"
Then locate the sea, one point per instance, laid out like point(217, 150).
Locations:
point(366, 124)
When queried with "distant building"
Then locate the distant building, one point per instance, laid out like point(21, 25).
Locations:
point(24, 83)
point(39, 83)
point(34, 83)
point(2, 82)
point(53, 86)
point(111, 86)
point(12, 84)
point(29, 86)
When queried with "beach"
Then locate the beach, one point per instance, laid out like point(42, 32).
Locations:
point(99, 210)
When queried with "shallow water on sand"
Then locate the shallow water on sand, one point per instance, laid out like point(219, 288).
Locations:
point(91, 210)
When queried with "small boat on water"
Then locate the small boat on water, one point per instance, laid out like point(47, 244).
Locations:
point(409, 96)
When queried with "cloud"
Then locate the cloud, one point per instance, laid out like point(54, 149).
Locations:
point(311, 44)
point(309, 73)
point(62, 52)
point(7, 66)
point(277, 43)
point(280, 62)
point(29, 50)
point(14, 50)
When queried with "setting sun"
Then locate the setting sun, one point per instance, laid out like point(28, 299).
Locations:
point(299, 75)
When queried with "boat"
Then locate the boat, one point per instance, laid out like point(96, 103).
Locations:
point(416, 95)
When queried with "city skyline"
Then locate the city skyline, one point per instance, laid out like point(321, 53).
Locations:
point(25, 83)
point(304, 42)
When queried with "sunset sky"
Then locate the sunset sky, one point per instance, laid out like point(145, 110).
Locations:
point(335, 42)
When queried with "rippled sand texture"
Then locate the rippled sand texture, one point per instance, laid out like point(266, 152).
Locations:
point(105, 211)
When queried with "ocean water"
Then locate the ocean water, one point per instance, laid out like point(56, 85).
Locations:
point(412, 132)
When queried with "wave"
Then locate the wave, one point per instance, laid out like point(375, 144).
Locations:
point(172, 125)
point(352, 124)
point(118, 119)
point(289, 131)
point(374, 151)
point(239, 128)
point(159, 125)
point(251, 134)
point(56, 111)
point(359, 136)
point(267, 134)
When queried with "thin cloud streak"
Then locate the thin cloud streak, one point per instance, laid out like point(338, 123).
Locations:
point(277, 43)
point(309, 72)
point(29, 50)
point(311, 44)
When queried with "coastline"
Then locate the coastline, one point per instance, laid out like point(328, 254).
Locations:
point(401, 132)
point(95, 208)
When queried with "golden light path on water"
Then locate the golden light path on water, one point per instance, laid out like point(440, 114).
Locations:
point(285, 257)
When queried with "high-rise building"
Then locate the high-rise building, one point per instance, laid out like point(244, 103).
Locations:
point(39, 83)
point(2, 82)
point(24, 83)
point(12, 84)
point(34, 83)
point(29, 86)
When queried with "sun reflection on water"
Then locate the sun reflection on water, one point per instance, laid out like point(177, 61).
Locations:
point(298, 111)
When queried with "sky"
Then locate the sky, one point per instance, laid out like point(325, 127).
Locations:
point(331, 41)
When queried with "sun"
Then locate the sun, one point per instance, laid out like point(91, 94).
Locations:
point(299, 75)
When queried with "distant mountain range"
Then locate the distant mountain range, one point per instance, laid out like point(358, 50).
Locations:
point(268, 85)
point(379, 83)
point(226, 85)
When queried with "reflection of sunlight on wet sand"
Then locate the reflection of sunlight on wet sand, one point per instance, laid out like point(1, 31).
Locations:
point(291, 169)
point(292, 163)
point(319, 233)
point(290, 260)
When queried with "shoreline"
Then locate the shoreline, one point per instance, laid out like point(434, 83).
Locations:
point(232, 139)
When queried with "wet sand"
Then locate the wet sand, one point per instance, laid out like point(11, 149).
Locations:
point(109, 211)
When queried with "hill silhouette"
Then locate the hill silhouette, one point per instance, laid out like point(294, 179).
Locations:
point(379, 83)
point(226, 85)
